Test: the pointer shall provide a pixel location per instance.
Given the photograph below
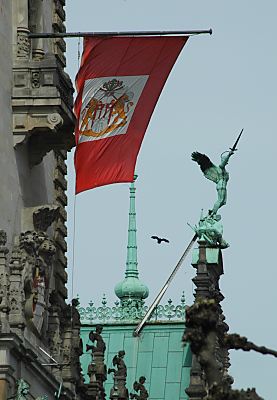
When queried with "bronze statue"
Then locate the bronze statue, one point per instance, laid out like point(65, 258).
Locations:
point(210, 228)
point(217, 174)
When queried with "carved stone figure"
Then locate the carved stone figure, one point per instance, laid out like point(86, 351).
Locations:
point(97, 370)
point(37, 251)
point(119, 390)
point(139, 387)
point(96, 336)
point(118, 361)
point(72, 346)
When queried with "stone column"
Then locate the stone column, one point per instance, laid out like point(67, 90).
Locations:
point(72, 348)
point(3, 389)
point(6, 378)
point(119, 390)
point(207, 261)
point(54, 332)
point(100, 372)
point(93, 386)
point(21, 22)
point(4, 285)
point(196, 389)
point(17, 319)
point(36, 26)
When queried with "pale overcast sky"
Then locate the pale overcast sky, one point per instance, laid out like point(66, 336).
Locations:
point(220, 84)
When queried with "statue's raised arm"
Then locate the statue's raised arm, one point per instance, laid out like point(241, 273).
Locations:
point(225, 158)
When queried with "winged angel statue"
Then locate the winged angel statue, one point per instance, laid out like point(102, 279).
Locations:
point(217, 174)
point(210, 227)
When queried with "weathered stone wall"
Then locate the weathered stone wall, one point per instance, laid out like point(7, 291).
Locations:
point(36, 130)
point(10, 194)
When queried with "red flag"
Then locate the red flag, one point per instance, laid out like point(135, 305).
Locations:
point(119, 83)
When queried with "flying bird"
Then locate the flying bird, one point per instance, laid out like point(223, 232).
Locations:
point(160, 240)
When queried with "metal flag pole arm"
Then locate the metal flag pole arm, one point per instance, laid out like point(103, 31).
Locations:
point(132, 33)
point(164, 288)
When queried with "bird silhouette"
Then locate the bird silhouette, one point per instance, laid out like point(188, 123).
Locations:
point(160, 240)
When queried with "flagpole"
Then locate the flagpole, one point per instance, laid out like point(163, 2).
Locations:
point(103, 34)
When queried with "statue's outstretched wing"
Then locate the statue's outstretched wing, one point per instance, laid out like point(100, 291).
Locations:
point(207, 167)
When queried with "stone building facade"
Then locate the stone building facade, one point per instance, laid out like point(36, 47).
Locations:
point(39, 332)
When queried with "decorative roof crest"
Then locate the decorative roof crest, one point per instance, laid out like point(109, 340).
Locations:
point(130, 313)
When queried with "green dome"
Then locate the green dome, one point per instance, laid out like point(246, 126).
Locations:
point(131, 287)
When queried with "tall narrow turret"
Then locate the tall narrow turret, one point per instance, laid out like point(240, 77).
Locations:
point(131, 291)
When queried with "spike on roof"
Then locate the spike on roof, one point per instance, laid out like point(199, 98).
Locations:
point(131, 291)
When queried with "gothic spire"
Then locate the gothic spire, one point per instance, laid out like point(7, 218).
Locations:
point(131, 290)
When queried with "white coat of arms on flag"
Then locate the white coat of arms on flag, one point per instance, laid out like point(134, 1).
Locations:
point(108, 104)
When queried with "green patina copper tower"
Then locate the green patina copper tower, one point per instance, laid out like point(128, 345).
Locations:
point(131, 291)
point(158, 353)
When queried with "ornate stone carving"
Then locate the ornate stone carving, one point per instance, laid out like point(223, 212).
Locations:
point(35, 79)
point(97, 367)
point(16, 292)
point(54, 326)
point(30, 266)
point(119, 390)
point(42, 95)
point(4, 284)
point(55, 120)
point(96, 336)
point(118, 362)
point(23, 43)
point(44, 216)
point(42, 108)
point(72, 347)
point(139, 387)
point(25, 123)
point(3, 238)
